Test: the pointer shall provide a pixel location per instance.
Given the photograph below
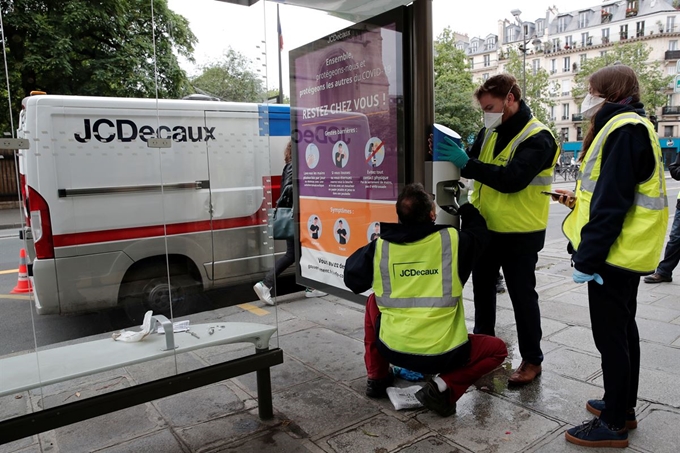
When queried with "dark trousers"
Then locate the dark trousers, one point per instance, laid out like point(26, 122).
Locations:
point(671, 256)
point(612, 316)
point(519, 271)
point(486, 354)
point(281, 265)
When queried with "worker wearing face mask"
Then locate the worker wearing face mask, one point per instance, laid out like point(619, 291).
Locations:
point(511, 162)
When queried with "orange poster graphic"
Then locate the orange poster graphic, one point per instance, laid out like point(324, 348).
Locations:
point(341, 226)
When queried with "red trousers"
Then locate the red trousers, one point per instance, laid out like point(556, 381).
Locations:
point(486, 354)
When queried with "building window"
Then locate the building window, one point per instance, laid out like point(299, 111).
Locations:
point(639, 29)
point(568, 42)
point(605, 36)
point(606, 14)
point(668, 131)
point(485, 77)
point(579, 133)
point(474, 46)
point(471, 63)
point(552, 113)
point(553, 66)
point(566, 89)
point(585, 38)
point(583, 19)
point(564, 134)
point(509, 34)
point(567, 64)
point(623, 32)
point(561, 24)
point(460, 46)
point(669, 100)
point(536, 65)
point(670, 24)
point(490, 43)
point(584, 57)
point(565, 111)
point(487, 60)
point(539, 27)
point(673, 44)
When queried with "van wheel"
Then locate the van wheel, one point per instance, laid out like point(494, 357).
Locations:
point(154, 294)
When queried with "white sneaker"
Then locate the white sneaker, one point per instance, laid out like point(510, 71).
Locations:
point(263, 293)
point(310, 292)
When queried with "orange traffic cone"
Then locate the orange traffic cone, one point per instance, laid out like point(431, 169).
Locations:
point(23, 284)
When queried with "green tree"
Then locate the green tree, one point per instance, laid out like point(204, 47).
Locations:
point(539, 89)
point(653, 82)
point(94, 47)
point(454, 102)
point(231, 79)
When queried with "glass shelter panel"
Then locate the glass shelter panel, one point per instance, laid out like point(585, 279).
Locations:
point(145, 194)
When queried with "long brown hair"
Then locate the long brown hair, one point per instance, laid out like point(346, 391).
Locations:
point(616, 83)
point(288, 153)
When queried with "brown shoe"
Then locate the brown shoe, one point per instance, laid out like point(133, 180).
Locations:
point(657, 278)
point(525, 374)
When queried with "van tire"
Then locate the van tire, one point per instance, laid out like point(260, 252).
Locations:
point(147, 288)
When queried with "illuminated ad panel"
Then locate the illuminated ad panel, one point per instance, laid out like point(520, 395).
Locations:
point(347, 129)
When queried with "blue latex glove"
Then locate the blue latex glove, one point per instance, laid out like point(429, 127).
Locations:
point(580, 277)
point(451, 151)
point(407, 375)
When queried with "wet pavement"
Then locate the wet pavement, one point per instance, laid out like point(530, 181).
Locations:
point(319, 399)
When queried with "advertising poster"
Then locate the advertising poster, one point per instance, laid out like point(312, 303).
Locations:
point(347, 129)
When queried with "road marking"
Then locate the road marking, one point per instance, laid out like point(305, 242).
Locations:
point(9, 271)
point(15, 296)
point(254, 310)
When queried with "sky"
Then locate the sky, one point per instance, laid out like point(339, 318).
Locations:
point(218, 25)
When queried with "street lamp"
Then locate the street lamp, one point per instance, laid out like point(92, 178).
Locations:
point(516, 13)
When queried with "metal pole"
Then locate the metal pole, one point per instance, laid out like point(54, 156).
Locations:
point(422, 86)
point(524, 64)
point(278, 44)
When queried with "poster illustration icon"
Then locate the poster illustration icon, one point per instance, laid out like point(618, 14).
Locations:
point(340, 154)
point(341, 231)
point(374, 152)
point(314, 226)
point(312, 155)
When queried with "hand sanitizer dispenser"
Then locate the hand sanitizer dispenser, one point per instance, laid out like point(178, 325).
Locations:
point(442, 179)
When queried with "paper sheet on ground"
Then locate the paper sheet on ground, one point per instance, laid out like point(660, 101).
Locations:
point(404, 398)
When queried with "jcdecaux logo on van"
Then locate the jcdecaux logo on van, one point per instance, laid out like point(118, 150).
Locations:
point(105, 131)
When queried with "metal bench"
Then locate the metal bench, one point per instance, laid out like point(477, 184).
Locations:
point(50, 366)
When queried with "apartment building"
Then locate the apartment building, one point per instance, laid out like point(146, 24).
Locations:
point(561, 41)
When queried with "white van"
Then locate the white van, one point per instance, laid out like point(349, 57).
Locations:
point(102, 208)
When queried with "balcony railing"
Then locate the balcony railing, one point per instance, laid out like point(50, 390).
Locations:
point(672, 55)
point(565, 117)
point(670, 110)
point(577, 117)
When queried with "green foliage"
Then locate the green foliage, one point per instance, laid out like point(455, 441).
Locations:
point(653, 82)
point(454, 102)
point(94, 47)
point(231, 79)
point(538, 87)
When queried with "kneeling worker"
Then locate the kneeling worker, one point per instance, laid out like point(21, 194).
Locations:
point(415, 317)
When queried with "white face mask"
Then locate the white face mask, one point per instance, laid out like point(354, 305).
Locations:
point(491, 120)
point(590, 105)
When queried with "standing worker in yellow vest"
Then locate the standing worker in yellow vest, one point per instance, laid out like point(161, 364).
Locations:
point(415, 318)
point(512, 162)
point(616, 232)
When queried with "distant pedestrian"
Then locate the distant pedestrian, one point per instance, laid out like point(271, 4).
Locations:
point(671, 257)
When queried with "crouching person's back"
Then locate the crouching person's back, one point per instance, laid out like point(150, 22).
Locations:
point(415, 317)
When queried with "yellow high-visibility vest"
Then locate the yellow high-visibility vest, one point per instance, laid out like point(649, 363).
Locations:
point(525, 211)
point(419, 294)
point(638, 246)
